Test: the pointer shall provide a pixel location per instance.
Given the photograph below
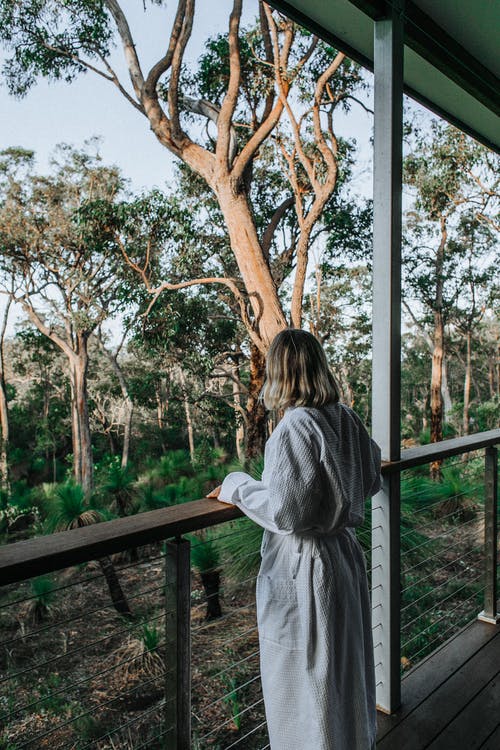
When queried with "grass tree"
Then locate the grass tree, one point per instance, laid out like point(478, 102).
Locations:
point(70, 508)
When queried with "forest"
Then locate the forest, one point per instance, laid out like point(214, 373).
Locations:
point(131, 377)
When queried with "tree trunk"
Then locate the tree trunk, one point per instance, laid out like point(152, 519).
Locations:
point(4, 438)
point(115, 590)
point(4, 409)
point(82, 412)
point(187, 412)
point(467, 381)
point(255, 272)
point(436, 382)
point(257, 422)
point(161, 403)
point(240, 427)
point(438, 352)
point(211, 584)
point(127, 431)
point(75, 428)
point(445, 392)
point(129, 405)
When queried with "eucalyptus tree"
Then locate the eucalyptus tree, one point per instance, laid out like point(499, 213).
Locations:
point(449, 175)
point(186, 337)
point(4, 409)
point(478, 293)
point(68, 278)
point(269, 88)
point(39, 405)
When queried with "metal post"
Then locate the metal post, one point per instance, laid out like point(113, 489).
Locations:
point(386, 391)
point(178, 645)
point(489, 613)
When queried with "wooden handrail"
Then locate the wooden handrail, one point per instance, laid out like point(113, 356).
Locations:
point(45, 554)
point(425, 454)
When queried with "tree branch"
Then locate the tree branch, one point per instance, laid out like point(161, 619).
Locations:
point(177, 58)
point(229, 103)
point(133, 64)
point(165, 62)
point(280, 62)
point(43, 328)
point(268, 235)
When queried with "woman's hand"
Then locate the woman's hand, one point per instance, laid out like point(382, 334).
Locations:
point(214, 494)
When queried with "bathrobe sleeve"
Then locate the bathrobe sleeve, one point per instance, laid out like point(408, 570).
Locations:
point(289, 500)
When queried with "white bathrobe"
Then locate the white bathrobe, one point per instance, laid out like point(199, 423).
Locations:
point(313, 607)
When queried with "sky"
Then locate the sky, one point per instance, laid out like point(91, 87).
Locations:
point(71, 113)
point(58, 112)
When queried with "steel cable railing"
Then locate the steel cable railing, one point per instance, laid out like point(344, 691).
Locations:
point(59, 686)
point(441, 556)
point(80, 675)
point(227, 698)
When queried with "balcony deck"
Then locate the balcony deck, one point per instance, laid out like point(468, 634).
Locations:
point(451, 699)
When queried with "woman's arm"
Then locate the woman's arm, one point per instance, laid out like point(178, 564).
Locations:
point(289, 500)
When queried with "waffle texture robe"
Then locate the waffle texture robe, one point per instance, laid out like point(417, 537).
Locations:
point(313, 607)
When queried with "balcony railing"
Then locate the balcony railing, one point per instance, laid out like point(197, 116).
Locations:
point(79, 674)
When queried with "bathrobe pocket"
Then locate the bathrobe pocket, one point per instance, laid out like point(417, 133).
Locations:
point(278, 613)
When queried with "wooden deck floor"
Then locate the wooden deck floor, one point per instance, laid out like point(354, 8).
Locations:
point(451, 700)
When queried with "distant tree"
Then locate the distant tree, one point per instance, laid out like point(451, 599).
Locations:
point(68, 278)
point(188, 336)
point(270, 88)
point(112, 354)
point(477, 293)
point(4, 410)
point(449, 175)
point(39, 405)
point(340, 315)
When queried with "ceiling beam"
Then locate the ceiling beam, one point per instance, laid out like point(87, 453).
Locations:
point(427, 39)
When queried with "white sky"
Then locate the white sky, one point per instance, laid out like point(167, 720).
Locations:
point(71, 113)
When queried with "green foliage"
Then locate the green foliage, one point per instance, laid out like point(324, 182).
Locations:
point(46, 39)
point(68, 508)
point(205, 551)
point(151, 636)
point(52, 699)
point(455, 496)
point(151, 498)
point(90, 728)
point(43, 595)
point(486, 415)
point(42, 589)
point(232, 699)
point(116, 483)
point(172, 466)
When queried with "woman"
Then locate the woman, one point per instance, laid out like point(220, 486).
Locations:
point(313, 607)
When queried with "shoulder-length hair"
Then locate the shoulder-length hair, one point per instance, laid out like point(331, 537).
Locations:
point(297, 372)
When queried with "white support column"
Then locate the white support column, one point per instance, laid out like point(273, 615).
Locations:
point(388, 67)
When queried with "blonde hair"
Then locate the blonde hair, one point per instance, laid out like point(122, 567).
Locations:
point(297, 372)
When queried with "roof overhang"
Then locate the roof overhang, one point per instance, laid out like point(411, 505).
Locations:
point(451, 61)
